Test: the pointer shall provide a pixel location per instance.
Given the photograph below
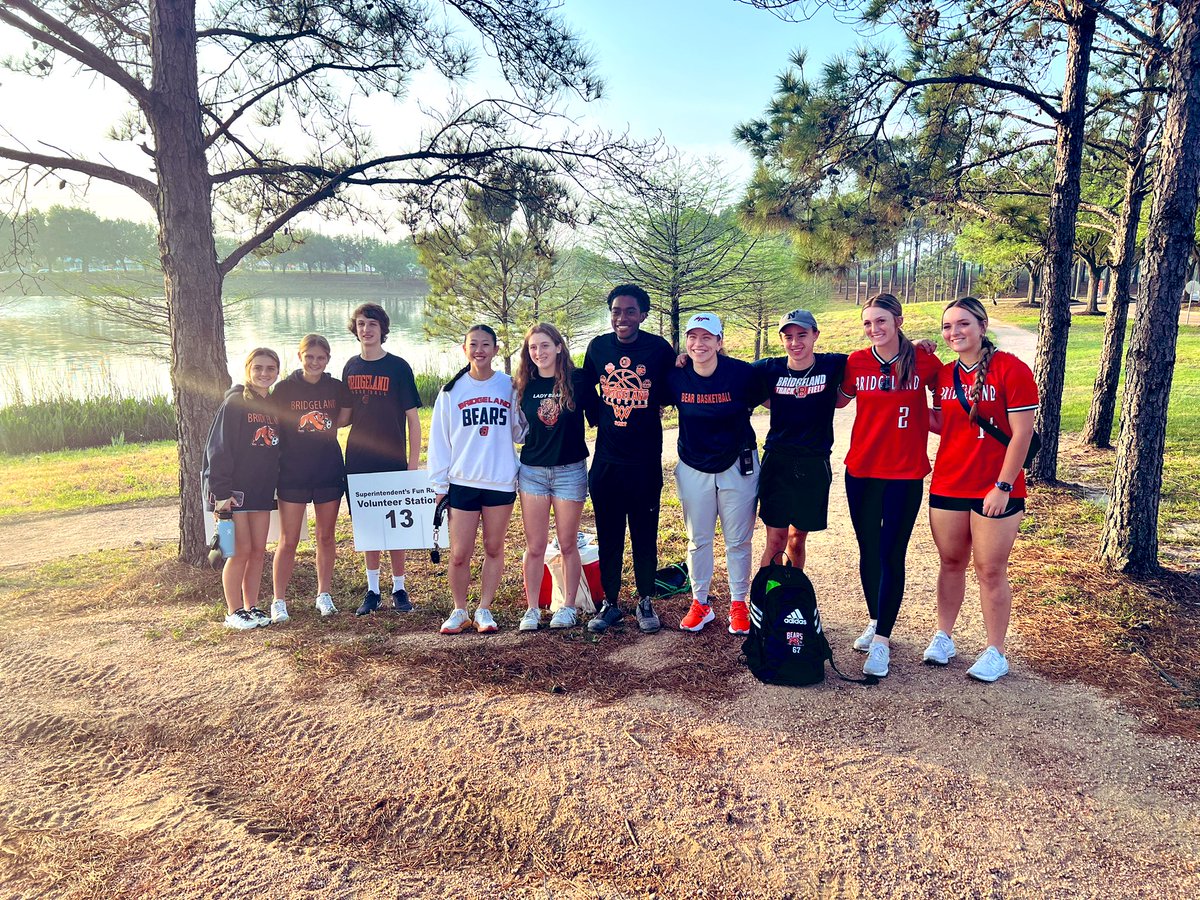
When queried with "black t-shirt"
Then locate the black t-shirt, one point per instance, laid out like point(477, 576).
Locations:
point(802, 403)
point(555, 435)
point(308, 413)
point(632, 379)
point(383, 390)
point(714, 412)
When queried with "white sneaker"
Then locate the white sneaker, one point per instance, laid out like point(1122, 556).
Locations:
point(325, 605)
point(279, 612)
point(863, 641)
point(940, 649)
point(240, 620)
point(566, 617)
point(990, 666)
point(259, 617)
point(484, 623)
point(878, 657)
point(531, 620)
point(457, 621)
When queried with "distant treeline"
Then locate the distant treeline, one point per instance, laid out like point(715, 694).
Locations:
point(70, 239)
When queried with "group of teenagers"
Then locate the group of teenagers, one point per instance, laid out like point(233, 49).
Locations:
point(275, 445)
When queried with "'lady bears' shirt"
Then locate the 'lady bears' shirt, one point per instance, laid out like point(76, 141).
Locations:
point(969, 459)
point(555, 435)
point(891, 425)
point(802, 403)
point(383, 391)
point(714, 412)
point(308, 414)
point(471, 435)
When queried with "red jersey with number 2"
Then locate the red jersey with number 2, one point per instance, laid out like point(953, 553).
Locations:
point(891, 426)
point(969, 459)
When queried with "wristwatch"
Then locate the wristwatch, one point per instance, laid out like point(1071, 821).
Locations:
point(1004, 486)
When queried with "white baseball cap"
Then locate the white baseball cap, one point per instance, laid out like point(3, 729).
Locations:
point(706, 321)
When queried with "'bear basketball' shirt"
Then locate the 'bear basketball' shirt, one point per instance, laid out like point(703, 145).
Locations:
point(891, 423)
point(969, 459)
point(802, 403)
point(714, 412)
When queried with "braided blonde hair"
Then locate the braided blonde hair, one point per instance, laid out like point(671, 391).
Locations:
point(975, 308)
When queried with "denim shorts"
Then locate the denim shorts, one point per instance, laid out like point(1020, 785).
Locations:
point(567, 482)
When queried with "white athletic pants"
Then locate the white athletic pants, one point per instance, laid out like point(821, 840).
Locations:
point(703, 496)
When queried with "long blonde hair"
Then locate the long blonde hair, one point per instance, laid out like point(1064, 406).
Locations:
point(906, 363)
point(975, 308)
point(563, 366)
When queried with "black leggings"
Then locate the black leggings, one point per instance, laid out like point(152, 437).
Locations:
point(883, 512)
point(621, 492)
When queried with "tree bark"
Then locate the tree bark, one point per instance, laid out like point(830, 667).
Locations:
point(1129, 541)
point(1051, 361)
point(1091, 299)
point(1097, 431)
point(191, 277)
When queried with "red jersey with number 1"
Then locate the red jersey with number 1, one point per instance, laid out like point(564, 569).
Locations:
point(891, 426)
point(969, 459)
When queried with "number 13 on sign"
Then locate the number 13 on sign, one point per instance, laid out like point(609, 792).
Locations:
point(391, 510)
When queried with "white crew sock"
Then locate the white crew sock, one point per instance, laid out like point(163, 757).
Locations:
point(373, 580)
point(397, 583)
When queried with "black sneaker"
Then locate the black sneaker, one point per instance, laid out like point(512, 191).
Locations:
point(370, 603)
point(400, 601)
point(647, 620)
point(609, 615)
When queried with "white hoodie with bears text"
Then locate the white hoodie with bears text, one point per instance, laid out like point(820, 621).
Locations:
point(471, 435)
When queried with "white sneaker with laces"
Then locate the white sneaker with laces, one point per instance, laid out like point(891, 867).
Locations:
point(531, 620)
point(863, 641)
point(940, 649)
point(325, 605)
point(566, 617)
point(260, 618)
point(878, 657)
point(990, 666)
point(279, 612)
point(240, 620)
point(484, 623)
point(457, 621)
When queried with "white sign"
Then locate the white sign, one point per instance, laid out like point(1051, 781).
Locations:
point(1192, 287)
point(392, 510)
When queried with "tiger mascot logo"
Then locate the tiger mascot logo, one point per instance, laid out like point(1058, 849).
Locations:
point(265, 437)
point(315, 421)
point(548, 412)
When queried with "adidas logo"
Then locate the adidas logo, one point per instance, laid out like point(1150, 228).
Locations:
point(795, 617)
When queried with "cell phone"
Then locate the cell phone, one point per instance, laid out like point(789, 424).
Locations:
point(747, 461)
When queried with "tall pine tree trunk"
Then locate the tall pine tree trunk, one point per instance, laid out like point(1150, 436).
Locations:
point(1130, 538)
point(191, 277)
point(1097, 430)
point(1051, 362)
point(1091, 299)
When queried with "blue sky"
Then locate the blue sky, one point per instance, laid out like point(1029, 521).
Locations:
point(690, 70)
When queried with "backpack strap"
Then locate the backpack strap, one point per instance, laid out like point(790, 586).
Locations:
point(866, 679)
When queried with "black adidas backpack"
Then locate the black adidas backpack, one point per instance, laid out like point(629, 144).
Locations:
point(786, 644)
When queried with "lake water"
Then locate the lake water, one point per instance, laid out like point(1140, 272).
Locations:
point(59, 346)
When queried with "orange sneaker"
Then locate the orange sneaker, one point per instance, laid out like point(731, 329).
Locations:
point(739, 617)
point(697, 617)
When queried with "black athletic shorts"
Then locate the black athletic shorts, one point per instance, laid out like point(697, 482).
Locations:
point(473, 499)
point(311, 494)
point(794, 490)
point(963, 504)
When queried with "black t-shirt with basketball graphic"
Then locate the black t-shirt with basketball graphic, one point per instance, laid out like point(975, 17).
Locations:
point(633, 380)
point(555, 436)
point(308, 414)
point(802, 403)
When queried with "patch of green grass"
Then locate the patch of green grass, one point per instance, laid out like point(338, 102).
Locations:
point(80, 479)
point(59, 423)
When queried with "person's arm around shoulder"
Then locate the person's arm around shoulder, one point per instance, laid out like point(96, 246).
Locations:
point(439, 445)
